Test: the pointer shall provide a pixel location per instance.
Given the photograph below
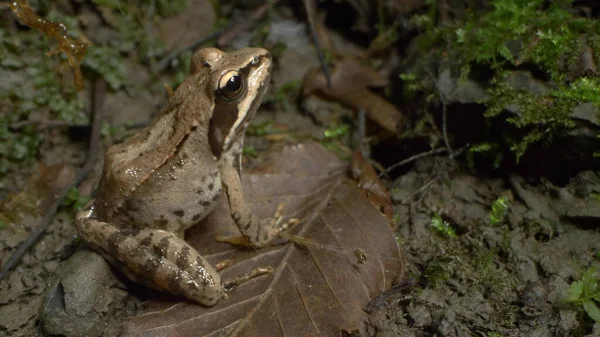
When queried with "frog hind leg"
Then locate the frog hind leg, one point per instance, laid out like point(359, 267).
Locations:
point(157, 257)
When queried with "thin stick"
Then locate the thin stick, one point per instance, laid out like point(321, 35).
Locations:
point(444, 113)
point(411, 159)
point(45, 123)
point(310, 13)
point(99, 89)
point(421, 189)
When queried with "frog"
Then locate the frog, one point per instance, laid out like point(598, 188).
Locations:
point(170, 175)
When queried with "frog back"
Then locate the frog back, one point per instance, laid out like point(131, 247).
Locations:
point(177, 194)
point(129, 164)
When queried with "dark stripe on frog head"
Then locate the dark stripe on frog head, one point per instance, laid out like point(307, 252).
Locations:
point(226, 112)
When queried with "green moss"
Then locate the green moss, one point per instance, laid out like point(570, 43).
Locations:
point(16, 147)
point(512, 33)
point(337, 131)
point(487, 149)
point(442, 227)
point(75, 201)
point(412, 85)
point(499, 209)
point(477, 268)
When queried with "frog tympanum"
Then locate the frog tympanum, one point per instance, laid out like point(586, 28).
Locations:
point(170, 175)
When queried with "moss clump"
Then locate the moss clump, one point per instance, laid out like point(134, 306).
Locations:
point(515, 33)
point(475, 268)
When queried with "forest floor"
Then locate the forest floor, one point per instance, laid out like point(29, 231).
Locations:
point(487, 253)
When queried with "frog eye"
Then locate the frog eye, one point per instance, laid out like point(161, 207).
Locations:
point(231, 85)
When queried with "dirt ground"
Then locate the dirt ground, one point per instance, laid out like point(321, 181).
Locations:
point(489, 278)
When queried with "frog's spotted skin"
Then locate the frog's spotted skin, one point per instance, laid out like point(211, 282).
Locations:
point(169, 176)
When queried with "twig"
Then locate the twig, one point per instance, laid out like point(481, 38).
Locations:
point(444, 113)
point(94, 146)
point(411, 159)
point(149, 18)
point(361, 131)
point(148, 25)
point(421, 189)
point(44, 123)
point(310, 13)
point(58, 124)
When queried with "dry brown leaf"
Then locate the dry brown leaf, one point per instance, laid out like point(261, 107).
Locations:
point(318, 288)
point(349, 85)
point(73, 50)
point(368, 182)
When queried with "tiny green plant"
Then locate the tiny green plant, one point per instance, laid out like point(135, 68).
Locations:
point(487, 149)
point(74, 200)
point(399, 240)
point(284, 92)
point(260, 129)
point(249, 151)
point(337, 131)
point(586, 292)
point(412, 84)
point(442, 227)
point(499, 209)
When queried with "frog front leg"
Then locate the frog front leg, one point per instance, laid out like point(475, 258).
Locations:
point(155, 257)
point(258, 233)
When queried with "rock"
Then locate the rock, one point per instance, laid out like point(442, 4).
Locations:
point(81, 303)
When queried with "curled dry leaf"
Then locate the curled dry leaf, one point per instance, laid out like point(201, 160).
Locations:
point(370, 185)
point(350, 84)
point(73, 50)
point(319, 286)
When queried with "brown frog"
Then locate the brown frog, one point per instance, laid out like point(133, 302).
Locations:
point(169, 176)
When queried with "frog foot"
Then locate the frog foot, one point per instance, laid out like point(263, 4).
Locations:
point(276, 224)
point(259, 233)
